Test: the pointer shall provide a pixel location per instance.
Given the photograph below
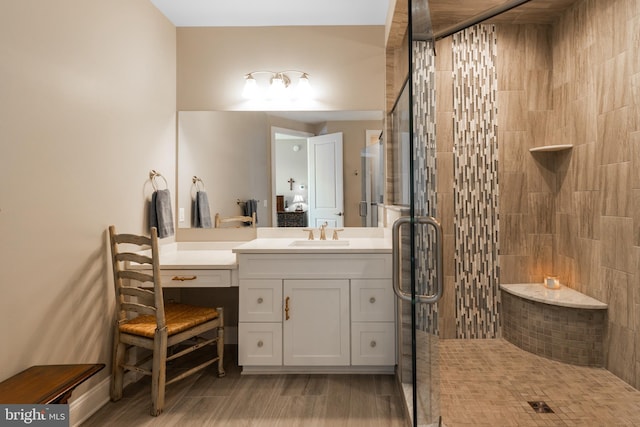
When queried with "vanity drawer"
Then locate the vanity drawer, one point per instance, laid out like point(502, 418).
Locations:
point(195, 278)
point(373, 343)
point(260, 301)
point(259, 344)
point(372, 300)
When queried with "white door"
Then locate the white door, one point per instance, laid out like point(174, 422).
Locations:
point(326, 196)
point(315, 328)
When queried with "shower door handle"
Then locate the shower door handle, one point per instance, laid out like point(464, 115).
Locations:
point(430, 222)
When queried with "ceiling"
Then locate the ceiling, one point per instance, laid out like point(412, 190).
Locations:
point(445, 13)
point(261, 13)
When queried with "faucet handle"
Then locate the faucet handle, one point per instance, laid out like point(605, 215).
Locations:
point(335, 233)
point(310, 230)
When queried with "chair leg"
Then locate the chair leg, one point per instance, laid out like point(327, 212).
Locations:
point(221, 372)
point(117, 371)
point(159, 373)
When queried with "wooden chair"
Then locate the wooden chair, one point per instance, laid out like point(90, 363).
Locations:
point(247, 220)
point(144, 320)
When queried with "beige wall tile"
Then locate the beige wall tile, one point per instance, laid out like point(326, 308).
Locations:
point(541, 213)
point(620, 352)
point(512, 151)
point(615, 190)
point(514, 268)
point(617, 238)
point(619, 297)
point(513, 235)
point(587, 207)
point(587, 170)
point(513, 195)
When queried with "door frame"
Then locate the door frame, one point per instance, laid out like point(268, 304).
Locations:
point(279, 130)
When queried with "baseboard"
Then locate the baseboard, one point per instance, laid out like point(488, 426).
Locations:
point(87, 404)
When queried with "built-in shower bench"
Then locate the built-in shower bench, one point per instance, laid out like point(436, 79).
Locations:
point(560, 324)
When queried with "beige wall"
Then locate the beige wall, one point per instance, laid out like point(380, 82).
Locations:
point(88, 108)
point(344, 64)
point(576, 213)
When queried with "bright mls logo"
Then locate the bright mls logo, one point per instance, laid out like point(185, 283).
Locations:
point(34, 415)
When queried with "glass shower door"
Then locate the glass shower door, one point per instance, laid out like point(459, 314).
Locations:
point(417, 235)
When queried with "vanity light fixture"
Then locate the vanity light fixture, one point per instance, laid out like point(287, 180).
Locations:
point(279, 85)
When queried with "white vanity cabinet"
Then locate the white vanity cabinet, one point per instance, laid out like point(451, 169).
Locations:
point(316, 311)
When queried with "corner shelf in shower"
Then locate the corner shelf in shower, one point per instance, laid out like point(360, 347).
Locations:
point(559, 147)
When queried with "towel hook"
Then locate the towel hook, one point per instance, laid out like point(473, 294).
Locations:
point(197, 180)
point(152, 176)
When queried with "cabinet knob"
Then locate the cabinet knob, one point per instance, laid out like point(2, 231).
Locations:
point(372, 300)
point(372, 344)
point(260, 300)
point(260, 344)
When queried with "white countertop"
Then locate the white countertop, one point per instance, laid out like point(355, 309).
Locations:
point(210, 259)
point(565, 297)
point(197, 256)
point(303, 246)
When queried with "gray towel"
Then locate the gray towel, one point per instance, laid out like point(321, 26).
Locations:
point(200, 213)
point(160, 214)
point(251, 207)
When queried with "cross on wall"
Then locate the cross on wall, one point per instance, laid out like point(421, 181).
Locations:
point(291, 181)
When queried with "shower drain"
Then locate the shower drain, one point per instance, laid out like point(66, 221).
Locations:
point(541, 407)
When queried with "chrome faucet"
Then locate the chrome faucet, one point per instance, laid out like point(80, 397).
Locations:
point(323, 234)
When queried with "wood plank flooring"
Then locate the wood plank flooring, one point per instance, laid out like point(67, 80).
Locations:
point(316, 400)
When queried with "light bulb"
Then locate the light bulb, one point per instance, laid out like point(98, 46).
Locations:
point(250, 90)
point(278, 88)
point(303, 89)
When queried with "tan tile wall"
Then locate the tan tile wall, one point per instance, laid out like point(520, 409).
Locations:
point(576, 213)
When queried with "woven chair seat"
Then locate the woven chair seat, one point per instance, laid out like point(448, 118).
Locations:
point(178, 318)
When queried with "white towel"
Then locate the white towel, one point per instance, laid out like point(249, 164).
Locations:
point(160, 214)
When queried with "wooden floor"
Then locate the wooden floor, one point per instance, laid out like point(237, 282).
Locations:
point(261, 400)
point(482, 383)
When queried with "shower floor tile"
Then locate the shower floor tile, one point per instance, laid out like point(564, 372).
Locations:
point(490, 382)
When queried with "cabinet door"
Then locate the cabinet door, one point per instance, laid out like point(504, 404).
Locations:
point(372, 300)
point(259, 344)
point(316, 322)
point(260, 301)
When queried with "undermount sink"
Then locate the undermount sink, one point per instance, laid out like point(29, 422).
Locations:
point(322, 243)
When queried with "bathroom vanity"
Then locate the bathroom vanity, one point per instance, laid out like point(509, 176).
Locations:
point(316, 306)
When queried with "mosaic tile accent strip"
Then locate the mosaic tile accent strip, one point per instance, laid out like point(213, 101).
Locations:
point(476, 182)
point(424, 159)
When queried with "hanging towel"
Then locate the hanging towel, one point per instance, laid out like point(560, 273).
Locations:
point(200, 213)
point(251, 207)
point(160, 214)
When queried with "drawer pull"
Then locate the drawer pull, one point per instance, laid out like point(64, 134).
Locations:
point(183, 278)
point(286, 308)
point(260, 300)
point(372, 344)
point(260, 344)
point(372, 300)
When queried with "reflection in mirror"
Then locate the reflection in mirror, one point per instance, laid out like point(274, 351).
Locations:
point(401, 148)
point(290, 177)
point(231, 152)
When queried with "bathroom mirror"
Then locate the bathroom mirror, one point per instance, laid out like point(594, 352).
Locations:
point(231, 153)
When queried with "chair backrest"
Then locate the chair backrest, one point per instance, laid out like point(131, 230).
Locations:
point(138, 290)
point(247, 220)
